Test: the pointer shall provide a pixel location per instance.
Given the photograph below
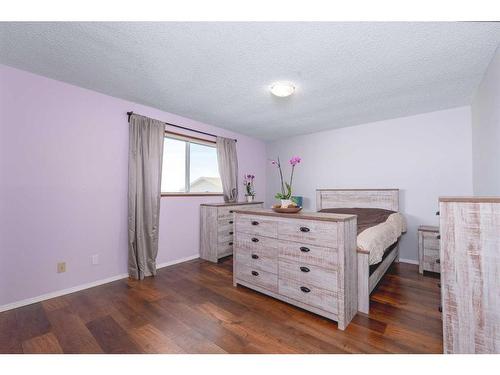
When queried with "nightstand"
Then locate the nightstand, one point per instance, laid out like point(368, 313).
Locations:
point(428, 249)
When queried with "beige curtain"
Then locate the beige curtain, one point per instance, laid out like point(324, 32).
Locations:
point(228, 168)
point(144, 192)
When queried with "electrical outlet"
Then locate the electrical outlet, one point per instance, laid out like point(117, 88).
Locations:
point(95, 259)
point(61, 267)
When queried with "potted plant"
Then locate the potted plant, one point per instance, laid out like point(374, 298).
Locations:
point(249, 189)
point(286, 187)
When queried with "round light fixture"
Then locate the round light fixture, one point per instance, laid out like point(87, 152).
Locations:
point(282, 89)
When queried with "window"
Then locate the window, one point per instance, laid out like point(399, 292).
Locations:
point(189, 166)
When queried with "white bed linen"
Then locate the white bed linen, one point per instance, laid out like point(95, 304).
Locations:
point(378, 238)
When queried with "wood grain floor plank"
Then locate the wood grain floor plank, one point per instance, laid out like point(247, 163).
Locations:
point(55, 303)
point(184, 336)
point(43, 344)
point(10, 342)
point(31, 321)
point(71, 332)
point(259, 338)
point(90, 305)
point(151, 340)
point(210, 329)
point(111, 337)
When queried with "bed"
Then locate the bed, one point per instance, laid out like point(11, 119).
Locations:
point(380, 226)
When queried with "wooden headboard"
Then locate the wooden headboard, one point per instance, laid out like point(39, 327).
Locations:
point(387, 199)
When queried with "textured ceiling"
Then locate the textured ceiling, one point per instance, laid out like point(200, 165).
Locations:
point(218, 73)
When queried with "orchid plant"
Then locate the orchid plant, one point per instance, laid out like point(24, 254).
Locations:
point(286, 187)
point(248, 182)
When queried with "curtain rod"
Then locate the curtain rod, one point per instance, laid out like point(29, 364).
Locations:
point(178, 126)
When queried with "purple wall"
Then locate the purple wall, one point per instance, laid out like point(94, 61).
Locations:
point(63, 186)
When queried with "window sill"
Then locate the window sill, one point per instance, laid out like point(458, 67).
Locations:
point(192, 194)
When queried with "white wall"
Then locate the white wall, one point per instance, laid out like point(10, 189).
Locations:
point(426, 156)
point(486, 132)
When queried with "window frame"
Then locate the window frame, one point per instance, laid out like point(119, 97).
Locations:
point(189, 139)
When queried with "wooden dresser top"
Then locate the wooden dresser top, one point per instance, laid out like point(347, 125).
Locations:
point(470, 199)
point(303, 215)
point(428, 228)
point(223, 204)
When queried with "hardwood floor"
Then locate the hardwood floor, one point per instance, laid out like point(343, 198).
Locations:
point(192, 307)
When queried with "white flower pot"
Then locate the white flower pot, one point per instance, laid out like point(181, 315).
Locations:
point(285, 203)
point(250, 198)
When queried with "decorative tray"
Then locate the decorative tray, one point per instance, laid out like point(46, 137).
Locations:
point(288, 210)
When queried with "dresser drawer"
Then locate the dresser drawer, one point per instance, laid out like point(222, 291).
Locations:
point(266, 280)
point(225, 233)
point(308, 274)
point(256, 242)
point(225, 248)
point(223, 238)
point(257, 251)
point(262, 259)
point(225, 226)
point(226, 212)
point(308, 254)
point(309, 294)
point(256, 225)
point(309, 232)
point(431, 240)
point(431, 258)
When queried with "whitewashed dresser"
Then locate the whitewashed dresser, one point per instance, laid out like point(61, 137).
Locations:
point(216, 228)
point(470, 274)
point(306, 259)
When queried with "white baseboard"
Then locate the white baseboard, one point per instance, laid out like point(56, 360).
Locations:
point(61, 292)
point(409, 261)
point(182, 260)
point(77, 288)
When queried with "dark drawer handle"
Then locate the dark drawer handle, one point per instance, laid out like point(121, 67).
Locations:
point(304, 249)
point(305, 289)
point(438, 261)
point(230, 221)
point(437, 213)
point(304, 269)
point(255, 239)
point(230, 244)
point(440, 309)
point(230, 232)
point(231, 211)
point(304, 229)
point(255, 223)
point(255, 273)
point(438, 236)
point(255, 256)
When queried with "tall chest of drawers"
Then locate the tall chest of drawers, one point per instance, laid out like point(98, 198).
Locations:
point(306, 259)
point(470, 270)
point(216, 228)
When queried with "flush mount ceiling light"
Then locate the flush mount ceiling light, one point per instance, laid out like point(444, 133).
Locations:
point(282, 89)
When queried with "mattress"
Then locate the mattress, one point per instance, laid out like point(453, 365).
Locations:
point(378, 229)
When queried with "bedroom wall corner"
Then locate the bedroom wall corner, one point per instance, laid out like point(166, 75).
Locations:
point(485, 114)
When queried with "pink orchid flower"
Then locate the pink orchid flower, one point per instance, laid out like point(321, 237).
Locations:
point(295, 160)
